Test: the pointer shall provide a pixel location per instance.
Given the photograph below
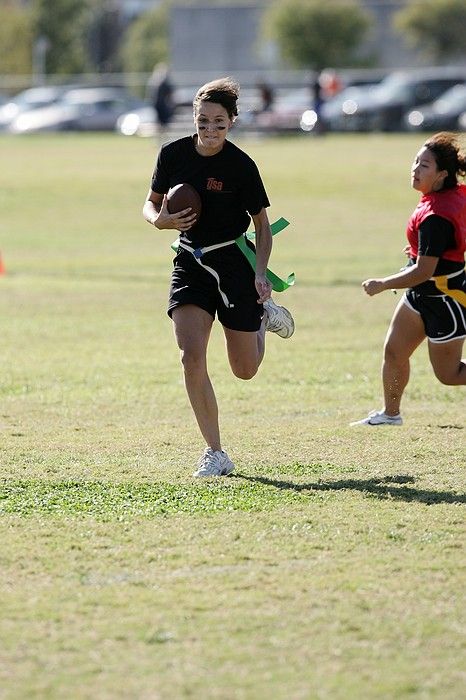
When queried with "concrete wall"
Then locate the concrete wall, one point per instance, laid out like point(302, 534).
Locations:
point(227, 39)
point(383, 41)
point(221, 39)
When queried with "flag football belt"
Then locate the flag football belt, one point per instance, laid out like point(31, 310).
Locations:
point(278, 284)
point(441, 282)
point(198, 253)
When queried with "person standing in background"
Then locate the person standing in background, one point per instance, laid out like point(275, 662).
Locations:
point(161, 92)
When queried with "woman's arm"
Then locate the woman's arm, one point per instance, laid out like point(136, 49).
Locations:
point(421, 271)
point(156, 213)
point(263, 250)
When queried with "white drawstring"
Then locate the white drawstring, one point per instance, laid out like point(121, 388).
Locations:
point(198, 253)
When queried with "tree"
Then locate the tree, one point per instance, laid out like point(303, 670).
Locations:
point(437, 26)
point(313, 34)
point(146, 41)
point(16, 38)
point(104, 36)
point(64, 23)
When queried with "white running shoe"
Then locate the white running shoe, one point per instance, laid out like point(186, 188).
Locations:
point(214, 463)
point(379, 418)
point(278, 319)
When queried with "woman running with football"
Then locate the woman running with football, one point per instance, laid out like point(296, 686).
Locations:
point(211, 275)
point(434, 305)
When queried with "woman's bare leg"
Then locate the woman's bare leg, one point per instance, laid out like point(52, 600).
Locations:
point(192, 326)
point(245, 350)
point(446, 361)
point(405, 334)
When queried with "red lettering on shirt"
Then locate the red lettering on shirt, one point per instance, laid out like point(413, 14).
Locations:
point(213, 184)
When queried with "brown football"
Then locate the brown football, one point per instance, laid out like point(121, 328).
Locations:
point(183, 196)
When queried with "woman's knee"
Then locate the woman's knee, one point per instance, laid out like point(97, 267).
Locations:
point(405, 334)
point(244, 370)
point(447, 364)
point(450, 376)
point(393, 353)
point(192, 360)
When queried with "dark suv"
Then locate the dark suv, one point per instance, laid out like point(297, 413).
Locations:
point(383, 107)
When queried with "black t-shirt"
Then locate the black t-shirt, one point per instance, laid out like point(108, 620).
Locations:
point(436, 235)
point(228, 182)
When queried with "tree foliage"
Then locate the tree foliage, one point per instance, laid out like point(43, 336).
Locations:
point(80, 35)
point(104, 33)
point(437, 26)
point(314, 34)
point(16, 39)
point(146, 41)
point(64, 23)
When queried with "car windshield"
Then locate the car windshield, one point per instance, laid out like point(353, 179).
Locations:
point(454, 98)
point(297, 98)
point(393, 88)
point(351, 93)
point(83, 97)
point(36, 97)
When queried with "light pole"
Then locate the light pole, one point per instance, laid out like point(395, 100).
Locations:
point(39, 53)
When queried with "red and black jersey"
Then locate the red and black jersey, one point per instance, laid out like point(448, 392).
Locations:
point(450, 204)
point(437, 228)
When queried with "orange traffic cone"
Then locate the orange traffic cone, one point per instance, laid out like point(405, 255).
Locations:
point(2, 266)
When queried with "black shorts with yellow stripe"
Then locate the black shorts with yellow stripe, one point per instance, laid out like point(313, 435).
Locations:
point(444, 317)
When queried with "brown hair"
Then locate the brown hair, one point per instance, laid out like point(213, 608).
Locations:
point(223, 91)
point(446, 149)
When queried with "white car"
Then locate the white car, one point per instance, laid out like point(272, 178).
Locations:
point(33, 98)
point(83, 109)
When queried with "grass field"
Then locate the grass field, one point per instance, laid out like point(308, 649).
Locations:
point(331, 565)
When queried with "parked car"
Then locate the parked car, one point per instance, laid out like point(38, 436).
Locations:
point(137, 122)
point(83, 109)
point(462, 121)
point(383, 107)
point(26, 100)
point(440, 115)
point(286, 112)
point(334, 112)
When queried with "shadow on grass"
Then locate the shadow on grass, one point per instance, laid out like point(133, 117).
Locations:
point(448, 426)
point(385, 487)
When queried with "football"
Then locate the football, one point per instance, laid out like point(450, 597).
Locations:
point(183, 196)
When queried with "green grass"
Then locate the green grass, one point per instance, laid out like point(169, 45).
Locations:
point(331, 564)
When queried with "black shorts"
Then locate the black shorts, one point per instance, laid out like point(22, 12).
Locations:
point(444, 318)
point(192, 284)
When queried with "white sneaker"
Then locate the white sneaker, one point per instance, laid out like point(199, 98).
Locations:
point(214, 463)
point(278, 319)
point(379, 418)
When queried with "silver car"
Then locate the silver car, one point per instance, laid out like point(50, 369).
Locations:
point(33, 98)
point(83, 109)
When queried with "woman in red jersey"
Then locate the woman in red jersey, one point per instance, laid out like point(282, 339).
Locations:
point(434, 305)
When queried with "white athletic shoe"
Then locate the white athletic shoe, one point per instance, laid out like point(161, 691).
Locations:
point(278, 319)
point(379, 418)
point(214, 463)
